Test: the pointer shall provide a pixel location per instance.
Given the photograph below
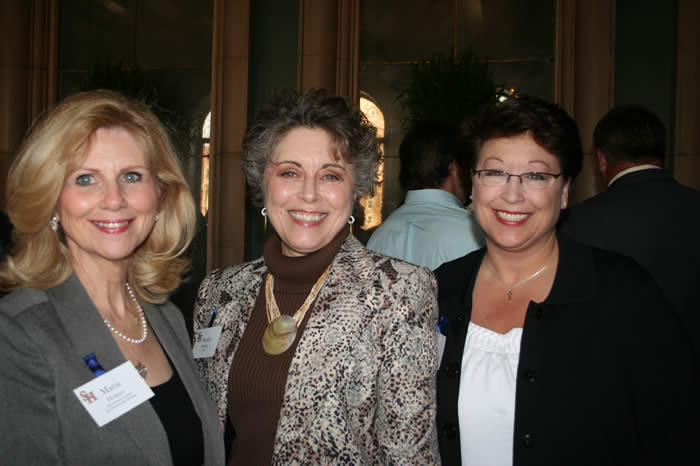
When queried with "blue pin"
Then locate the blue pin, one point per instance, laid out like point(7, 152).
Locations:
point(213, 316)
point(442, 325)
point(93, 365)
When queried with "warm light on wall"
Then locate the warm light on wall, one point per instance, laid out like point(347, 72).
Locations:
point(372, 206)
point(204, 186)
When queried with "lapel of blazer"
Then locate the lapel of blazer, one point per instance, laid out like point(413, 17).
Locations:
point(245, 302)
point(180, 354)
point(337, 318)
point(172, 345)
point(241, 285)
point(88, 334)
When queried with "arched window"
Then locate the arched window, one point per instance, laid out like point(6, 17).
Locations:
point(372, 205)
point(204, 187)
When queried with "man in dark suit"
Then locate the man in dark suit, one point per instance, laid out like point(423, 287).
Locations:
point(644, 213)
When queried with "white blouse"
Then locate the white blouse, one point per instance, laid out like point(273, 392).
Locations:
point(486, 404)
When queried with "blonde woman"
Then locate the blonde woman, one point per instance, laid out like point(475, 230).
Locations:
point(102, 215)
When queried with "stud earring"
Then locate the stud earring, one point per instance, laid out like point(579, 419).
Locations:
point(157, 217)
point(54, 223)
point(351, 220)
point(563, 204)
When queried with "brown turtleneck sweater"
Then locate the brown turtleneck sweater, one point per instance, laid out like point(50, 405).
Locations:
point(256, 379)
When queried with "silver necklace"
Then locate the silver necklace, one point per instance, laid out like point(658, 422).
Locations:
point(509, 291)
point(142, 317)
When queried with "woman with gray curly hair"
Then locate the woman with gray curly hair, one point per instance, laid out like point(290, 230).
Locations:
point(327, 352)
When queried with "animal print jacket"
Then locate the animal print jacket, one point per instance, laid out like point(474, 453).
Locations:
point(361, 385)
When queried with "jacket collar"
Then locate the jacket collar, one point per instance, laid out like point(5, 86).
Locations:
point(83, 324)
point(432, 196)
point(641, 176)
point(574, 280)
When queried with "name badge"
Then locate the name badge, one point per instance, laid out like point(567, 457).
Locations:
point(441, 339)
point(205, 341)
point(113, 393)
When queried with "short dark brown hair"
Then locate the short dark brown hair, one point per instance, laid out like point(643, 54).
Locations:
point(548, 124)
point(631, 133)
point(426, 153)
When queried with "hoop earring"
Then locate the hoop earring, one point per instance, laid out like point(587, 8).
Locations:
point(54, 223)
point(263, 212)
point(351, 220)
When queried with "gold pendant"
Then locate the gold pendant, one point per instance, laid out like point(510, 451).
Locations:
point(279, 335)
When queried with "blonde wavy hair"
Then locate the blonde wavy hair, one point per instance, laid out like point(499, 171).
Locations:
point(58, 145)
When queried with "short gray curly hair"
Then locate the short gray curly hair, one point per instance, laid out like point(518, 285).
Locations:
point(353, 136)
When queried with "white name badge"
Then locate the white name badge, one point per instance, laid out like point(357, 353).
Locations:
point(113, 393)
point(441, 339)
point(205, 341)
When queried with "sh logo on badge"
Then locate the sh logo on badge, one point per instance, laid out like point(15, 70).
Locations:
point(87, 397)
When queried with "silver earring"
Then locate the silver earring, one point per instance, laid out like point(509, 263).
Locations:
point(263, 212)
point(351, 220)
point(54, 223)
point(157, 217)
point(563, 204)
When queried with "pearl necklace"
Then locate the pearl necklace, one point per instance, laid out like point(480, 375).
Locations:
point(142, 317)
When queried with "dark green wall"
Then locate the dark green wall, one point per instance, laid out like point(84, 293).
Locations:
point(645, 57)
point(272, 66)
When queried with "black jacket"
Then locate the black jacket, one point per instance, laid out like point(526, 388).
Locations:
point(605, 375)
point(650, 217)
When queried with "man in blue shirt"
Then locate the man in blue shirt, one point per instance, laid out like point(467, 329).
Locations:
point(432, 226)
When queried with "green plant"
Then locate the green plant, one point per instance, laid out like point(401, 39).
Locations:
point(447, 88)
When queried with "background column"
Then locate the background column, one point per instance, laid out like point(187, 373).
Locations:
point(329, 46)
point(229, 107)
point(686, 157)
point(584, 75)
point(28, 71)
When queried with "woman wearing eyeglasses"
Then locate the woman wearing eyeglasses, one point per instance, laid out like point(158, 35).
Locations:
point(556, 353)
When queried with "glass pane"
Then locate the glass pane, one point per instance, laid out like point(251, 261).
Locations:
point(372, 206)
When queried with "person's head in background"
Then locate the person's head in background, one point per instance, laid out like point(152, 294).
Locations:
point(628, 136)
point(430, 159)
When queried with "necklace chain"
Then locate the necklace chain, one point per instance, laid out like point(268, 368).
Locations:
point(142, 318)
point(510, 288)
point(273, 312)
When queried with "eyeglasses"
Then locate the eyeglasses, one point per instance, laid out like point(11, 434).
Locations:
point(529, 180)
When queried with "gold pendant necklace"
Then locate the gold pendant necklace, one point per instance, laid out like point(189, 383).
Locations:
point(281, 330)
